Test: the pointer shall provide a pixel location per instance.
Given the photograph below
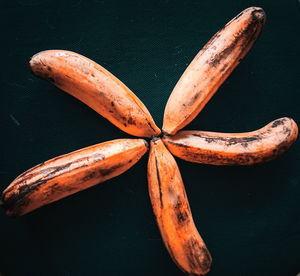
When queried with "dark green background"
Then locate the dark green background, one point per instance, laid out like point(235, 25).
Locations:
point(249, 217)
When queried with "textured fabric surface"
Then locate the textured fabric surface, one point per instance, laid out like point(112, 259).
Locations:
point(249, 217)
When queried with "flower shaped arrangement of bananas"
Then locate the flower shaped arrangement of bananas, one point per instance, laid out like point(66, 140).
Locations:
point(103, 92)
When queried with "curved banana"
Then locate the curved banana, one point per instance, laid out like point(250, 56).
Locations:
point(245, 148)
point(95, 86)
point(70, 173)
point(211, 66)
point(173, 214)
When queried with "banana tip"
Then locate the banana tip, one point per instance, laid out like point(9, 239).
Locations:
point(155, 138)
point(258, 14)
point(33, 61)
point(34, 57)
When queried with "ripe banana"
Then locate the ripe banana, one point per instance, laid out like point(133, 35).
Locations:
point(70, 173)
point(245, 148)
point(211, 66)
point(95, 86)
point(172, 211)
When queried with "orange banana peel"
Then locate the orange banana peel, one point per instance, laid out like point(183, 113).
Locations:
point(103, 92)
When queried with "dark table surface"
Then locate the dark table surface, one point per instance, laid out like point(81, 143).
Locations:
point(249, 217)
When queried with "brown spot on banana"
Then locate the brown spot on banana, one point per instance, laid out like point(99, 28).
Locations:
point(70, 173)
point(95, 86)
point(246, 148)
point(172, 211)
point(211, 66)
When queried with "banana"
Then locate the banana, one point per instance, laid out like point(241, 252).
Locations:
point(172, 211)
point(246, 148)
point(95, 86)
point(70, 173)
point(211, 66)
